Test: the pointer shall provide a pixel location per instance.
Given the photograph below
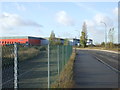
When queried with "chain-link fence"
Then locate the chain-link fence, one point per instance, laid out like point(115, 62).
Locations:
point(33, 66)
point(59, 55)
point(8, 66)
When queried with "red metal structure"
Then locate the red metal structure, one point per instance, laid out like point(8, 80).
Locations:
point(21, 40)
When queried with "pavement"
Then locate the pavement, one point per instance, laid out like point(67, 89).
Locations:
point(90, 72)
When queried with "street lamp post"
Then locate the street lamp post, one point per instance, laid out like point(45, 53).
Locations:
point(105, 33)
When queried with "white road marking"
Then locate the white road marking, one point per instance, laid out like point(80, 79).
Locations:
point(107, 65)
point(111, 60)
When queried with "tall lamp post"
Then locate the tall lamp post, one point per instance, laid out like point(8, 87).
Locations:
point(105, 33)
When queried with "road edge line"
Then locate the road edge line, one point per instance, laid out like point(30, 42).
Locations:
point(117, 71)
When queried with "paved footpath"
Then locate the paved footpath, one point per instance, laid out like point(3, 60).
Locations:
point(90, 73)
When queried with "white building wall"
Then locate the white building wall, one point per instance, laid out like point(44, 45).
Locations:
point(74, 42)
point(71, 42)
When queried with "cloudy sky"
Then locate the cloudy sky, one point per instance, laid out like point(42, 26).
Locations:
point(65, 18)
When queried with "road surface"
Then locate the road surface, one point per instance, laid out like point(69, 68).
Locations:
point(96, 69)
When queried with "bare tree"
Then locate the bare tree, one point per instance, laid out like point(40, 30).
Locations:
point(111, 37)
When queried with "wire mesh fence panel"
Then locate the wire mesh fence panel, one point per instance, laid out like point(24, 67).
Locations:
point(37, 66)
point(60, 58)
point(32, 67)
point(53, 64)
point(66, 54)
point(8, 66)
point(63, 55)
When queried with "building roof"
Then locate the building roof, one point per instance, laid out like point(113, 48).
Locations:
point(14, 37)
point(21, 37)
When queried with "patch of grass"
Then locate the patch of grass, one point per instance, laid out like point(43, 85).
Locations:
point(27, 54)
point(66, 76)
point(103, 48)
point(24, 53)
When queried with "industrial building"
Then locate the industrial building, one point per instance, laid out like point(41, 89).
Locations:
point(21, 40)
point(74, 41)
point(89, 42)
point(29, 40)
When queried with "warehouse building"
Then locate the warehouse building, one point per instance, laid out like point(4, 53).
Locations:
point(74, 41)
point(21, 40)
point(89, 42)
point(44, 41)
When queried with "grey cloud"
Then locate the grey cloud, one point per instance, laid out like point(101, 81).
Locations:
point(8, 20)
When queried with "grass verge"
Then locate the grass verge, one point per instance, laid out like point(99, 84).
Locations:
point(27, 54)
point(66, 76)
point(102, 48)
point(24, 53)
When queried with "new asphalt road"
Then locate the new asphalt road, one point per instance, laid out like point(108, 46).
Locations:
point(96, 69)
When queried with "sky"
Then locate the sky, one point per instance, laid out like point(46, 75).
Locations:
point(64, 18)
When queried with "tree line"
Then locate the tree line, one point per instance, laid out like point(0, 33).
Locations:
point(83, 38)
point(57, 41)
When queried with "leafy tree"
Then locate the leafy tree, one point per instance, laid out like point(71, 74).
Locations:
point(58, 42)
point(110, 45)
point(84, 29)
point(66, 42)
point(103, 44)
point(52, 38)
point(83, 38)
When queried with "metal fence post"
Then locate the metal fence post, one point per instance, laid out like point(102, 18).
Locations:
point(58, 59)
point(0, 67)
point(48, 66)
point(15, 66)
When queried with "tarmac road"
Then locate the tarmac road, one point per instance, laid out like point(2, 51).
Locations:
point(96, 69)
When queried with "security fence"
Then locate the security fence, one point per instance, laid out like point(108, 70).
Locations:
point(8, 66)
point(33, 66)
